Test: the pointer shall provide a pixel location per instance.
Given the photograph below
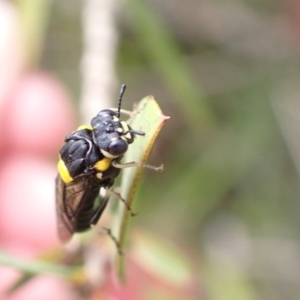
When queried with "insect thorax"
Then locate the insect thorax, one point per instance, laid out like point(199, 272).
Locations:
point(80, 157)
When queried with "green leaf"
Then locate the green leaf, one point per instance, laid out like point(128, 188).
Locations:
point(149, 118)
point(38, 267)
point(45, 263)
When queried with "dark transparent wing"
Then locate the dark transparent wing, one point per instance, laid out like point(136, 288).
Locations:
point(68, 201)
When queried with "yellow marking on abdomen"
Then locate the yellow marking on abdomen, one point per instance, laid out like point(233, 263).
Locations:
point(103, 164)
point(63, 172)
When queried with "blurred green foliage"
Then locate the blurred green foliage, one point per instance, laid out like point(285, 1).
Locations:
point(229, 194)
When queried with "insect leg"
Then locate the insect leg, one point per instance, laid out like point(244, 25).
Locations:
point(123, 111)
point(108, 232)
point(95, 218)
point(118, 196)
point(78, 137)
point(97, 214)
point(136, 164)
point(75, 137)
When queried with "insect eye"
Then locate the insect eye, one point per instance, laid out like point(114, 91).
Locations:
point(117, 147)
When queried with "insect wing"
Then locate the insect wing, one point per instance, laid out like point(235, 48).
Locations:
point(68, 201)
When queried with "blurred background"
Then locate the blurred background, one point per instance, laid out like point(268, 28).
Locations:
point(228, 74)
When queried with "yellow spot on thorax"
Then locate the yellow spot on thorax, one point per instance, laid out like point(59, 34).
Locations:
point(89, 127)
point(103, 164)
point(63, 172)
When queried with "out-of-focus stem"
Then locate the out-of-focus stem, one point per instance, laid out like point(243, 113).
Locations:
point(98, 58)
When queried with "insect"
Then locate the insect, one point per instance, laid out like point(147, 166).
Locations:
point(90, 160)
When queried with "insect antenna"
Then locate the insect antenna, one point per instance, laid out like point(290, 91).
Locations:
point(122, 91)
